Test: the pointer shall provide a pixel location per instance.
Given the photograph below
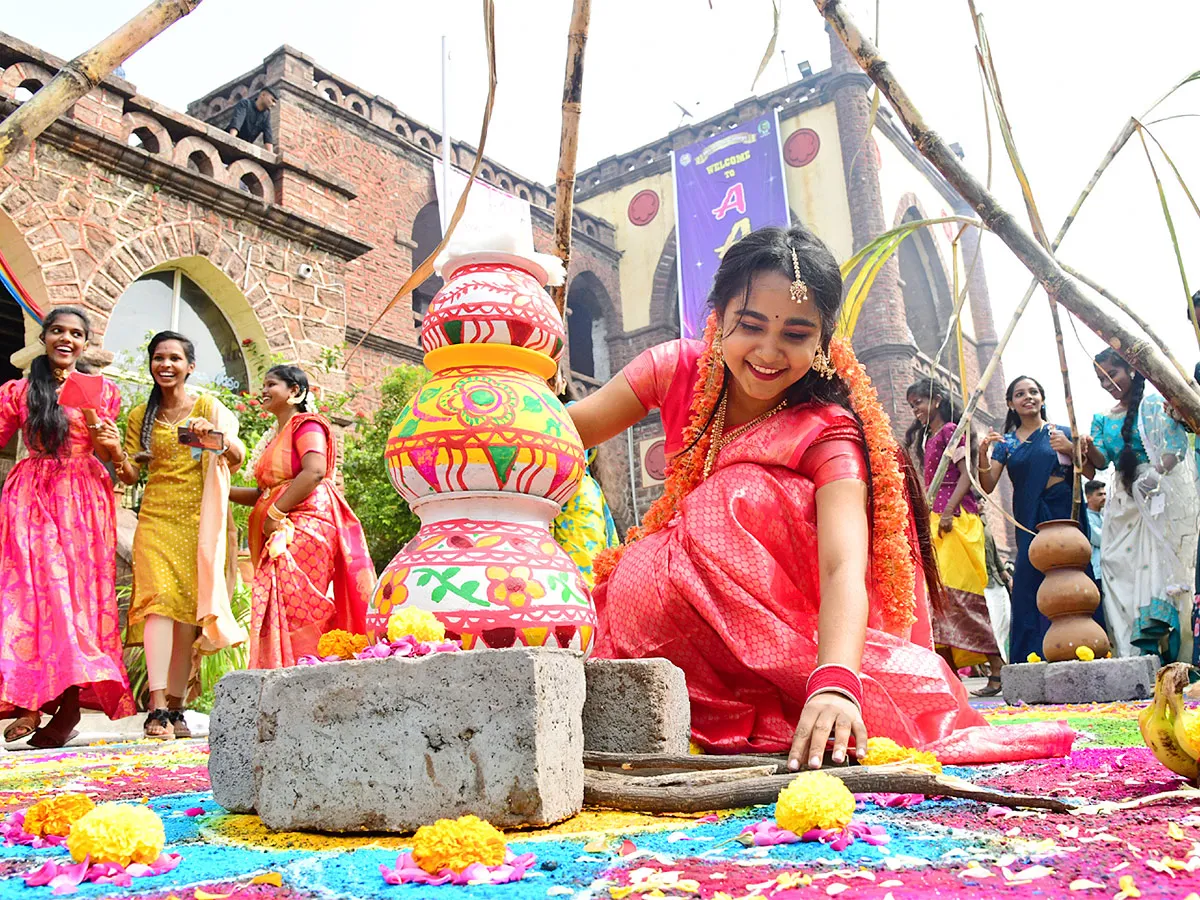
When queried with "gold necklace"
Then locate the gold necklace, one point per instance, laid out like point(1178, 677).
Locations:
point(720, 440)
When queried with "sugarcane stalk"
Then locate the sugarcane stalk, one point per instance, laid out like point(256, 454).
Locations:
point(84, 72)
point(568, 143)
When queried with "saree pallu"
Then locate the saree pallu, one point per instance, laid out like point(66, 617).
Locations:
point(729, 591)
point(291, 605)
point(58, 570)
point(965, 624)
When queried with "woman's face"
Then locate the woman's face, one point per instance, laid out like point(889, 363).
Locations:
point(921, 405)
point(275, 394)
point(1114, 378)
point(169, 364)
point(65, 339)
point(1027, 400)
point(769, 345)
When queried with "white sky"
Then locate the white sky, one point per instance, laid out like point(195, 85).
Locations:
point(1071, 72)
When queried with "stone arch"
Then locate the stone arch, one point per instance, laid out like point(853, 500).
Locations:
point(215, 105)
point(149, 132)
point(358, 104)
point(664, 289)
point(258, 83)
point(928, 304)
point(249, 176)
point(426, 233)
point(200, 156)
point(329, 90)
point(486, 173)
point(591, 318)
point(401, 128)
point(424, 139)
point(523, 193)
point(28, 75)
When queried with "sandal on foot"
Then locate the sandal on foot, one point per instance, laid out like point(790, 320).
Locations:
point(993, 688)
point(22, 727)
point(179, 723)
point(161, 718)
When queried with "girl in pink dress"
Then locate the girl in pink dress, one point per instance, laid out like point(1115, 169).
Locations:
point(784, 569)
point(60, 646)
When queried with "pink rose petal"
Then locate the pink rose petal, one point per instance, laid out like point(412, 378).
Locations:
point(407, 872)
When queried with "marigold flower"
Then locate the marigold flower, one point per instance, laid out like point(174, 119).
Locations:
point(457, 843)
point(814, 800)
point(1087, 654)
point(341, 643)
point(55, 815)
point(420, 623)
point(117, 833)
point(882, 751)
point(1033, 658)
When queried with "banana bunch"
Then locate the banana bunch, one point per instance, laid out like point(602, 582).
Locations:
point(1168, 729)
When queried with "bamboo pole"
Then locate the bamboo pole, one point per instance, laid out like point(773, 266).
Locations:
point(569, 143)
point(84, 72)
point(1140, 353)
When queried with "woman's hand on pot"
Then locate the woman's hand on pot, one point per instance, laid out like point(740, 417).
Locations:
point(827, 715)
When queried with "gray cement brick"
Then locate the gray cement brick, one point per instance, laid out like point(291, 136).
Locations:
point(636, 706)
point(1024, 682)
point(393, 744)
point(233, 739)
point(1101, 680)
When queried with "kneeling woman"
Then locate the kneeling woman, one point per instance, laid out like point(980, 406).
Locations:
point(781, 569)
point(303, 535)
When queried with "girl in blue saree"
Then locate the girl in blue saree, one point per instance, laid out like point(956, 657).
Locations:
point(1037, 456)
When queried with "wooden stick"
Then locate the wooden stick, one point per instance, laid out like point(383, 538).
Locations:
point(611, 791)
point(1139, 353)
point(84, 72)
point(695, 762)
point(568, 144)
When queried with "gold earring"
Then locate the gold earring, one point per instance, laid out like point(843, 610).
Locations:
point(822, 366)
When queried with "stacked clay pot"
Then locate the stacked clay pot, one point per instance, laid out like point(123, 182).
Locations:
point(1068, 596)
point(486, 456)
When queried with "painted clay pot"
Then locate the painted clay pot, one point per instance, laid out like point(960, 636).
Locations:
point(486, 456)
point(1068, 596)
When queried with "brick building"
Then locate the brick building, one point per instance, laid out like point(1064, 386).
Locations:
point(149, 218)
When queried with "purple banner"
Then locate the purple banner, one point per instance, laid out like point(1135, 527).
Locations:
point(725, 187)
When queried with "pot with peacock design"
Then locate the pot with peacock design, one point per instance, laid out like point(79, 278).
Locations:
point(486, 456)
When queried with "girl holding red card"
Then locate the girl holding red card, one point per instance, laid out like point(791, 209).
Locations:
point(60, 646)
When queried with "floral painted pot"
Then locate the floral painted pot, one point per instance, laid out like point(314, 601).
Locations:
point(486, 456)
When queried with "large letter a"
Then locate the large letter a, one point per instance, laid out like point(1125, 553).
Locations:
point(735, 198)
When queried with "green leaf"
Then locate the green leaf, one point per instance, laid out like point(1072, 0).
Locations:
point(424, 579)
point(439, 594)
point(469, 588)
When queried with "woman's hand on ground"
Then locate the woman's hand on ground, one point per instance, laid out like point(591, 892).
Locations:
point(827, 715)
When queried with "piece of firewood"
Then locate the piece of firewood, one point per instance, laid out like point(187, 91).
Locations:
point(711, 776)
point(682, 762)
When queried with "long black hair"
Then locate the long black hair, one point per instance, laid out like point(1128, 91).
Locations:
point(1127, 462)
point(154, 401)
point(947, 408)
point(46, 426)
point(771, 249)
point(294, 378)
point(1012, 421)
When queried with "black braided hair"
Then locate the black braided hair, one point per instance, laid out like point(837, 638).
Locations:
point(1127, 462)
point(1012, 421)
point(154, 401)
point(46, 426)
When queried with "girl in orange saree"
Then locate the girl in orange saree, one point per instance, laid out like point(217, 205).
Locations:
point(784, 569)
point(303, 535)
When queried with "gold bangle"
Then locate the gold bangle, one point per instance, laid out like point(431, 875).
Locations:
point(275, 513)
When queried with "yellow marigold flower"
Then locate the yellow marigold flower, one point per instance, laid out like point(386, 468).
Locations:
point(1032, 658)
point(117, 833)
point(457, 843)
point(881, 751)
point(341, 644)
point(1191, 726)
point(56, 815)
point(814, 800)
point(1087, 654)
point(420, 623)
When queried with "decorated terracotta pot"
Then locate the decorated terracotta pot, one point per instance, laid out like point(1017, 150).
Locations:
point(1068, 596)
point(486, 456)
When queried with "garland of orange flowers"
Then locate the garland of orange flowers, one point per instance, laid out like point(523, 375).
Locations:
point(893, 571)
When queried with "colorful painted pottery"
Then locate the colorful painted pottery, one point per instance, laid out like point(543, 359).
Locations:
point(486, 456)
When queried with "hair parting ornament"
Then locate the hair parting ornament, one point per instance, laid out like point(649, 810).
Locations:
point(893, 571)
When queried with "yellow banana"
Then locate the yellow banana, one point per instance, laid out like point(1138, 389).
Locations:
point(1166, 726)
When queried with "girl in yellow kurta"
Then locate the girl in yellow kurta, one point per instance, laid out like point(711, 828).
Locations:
point(167, 577)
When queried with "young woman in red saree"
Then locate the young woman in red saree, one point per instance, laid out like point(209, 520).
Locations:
point(783, 569)
point(303, 535)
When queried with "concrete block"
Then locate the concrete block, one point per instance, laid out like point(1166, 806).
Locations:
point(1101, 680)
point(1024, 682)
point(636, 706)
point(233, 739)
point(393, 744)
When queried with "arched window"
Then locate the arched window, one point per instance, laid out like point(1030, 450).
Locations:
point(587, 332)
point(426, 233)
point(171, 301)
point(927, 301)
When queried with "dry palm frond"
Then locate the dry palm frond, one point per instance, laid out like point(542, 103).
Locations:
point(770, 51)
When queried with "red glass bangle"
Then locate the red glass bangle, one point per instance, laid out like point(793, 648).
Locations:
point(837, 678)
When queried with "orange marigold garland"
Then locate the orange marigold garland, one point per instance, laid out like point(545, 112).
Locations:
point(892, 567)
point(686, 469)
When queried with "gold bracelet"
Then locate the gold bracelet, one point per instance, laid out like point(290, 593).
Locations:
point(275, 513)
